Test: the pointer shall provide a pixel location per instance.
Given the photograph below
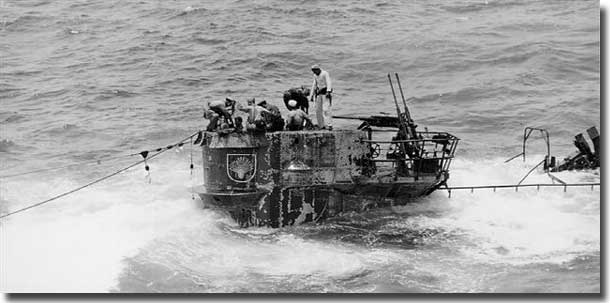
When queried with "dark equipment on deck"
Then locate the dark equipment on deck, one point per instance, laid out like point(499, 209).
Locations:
point(583, 159)
point(375, 121)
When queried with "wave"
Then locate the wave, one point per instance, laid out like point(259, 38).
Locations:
point(114, 93)
point(11, 117)
point(461, 7)
point(136, 78)
point(25, 23)
point(156, 233)
point(6, 145)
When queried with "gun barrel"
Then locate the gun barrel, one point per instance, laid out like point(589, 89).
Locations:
point(377, 121)
point(352, 118)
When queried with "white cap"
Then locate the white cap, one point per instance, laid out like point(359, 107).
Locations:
point(315, 66)
point(292, 103)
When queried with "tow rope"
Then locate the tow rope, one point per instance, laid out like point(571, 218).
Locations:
point(146, 155)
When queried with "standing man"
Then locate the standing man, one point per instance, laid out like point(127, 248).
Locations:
point(320, 93)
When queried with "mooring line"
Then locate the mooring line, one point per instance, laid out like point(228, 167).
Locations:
point(79, 188)
point(530, 171)
point(148, 157)
point(554, 178)
point(98, 161)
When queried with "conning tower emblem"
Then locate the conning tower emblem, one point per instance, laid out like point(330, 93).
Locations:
point(241, 167)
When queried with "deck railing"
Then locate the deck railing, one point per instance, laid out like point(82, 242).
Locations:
point(430, 153)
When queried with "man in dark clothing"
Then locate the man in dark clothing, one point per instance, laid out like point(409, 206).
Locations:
point(270, 107)
point(273, 117)
point(273, 123)
point(213, 110)
point(300, 95)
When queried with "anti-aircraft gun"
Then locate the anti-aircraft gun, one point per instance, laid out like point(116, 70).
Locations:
point(410, 152)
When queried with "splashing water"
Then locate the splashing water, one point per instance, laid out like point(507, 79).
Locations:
point(128, 235)
point(112, 78)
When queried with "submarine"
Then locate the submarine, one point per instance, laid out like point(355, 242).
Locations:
point(284, 178)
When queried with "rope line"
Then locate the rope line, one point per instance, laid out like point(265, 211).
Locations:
point(66, 166)
point(97, 180)
point(78, 188)
point(98, 161)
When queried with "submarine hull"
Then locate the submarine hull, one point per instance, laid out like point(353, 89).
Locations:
point(285, 178)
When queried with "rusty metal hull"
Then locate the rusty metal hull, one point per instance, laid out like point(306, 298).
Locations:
point(296, 205)
point(285, 178)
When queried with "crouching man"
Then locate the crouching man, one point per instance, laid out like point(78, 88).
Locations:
point(214, 110)
point(300, 95)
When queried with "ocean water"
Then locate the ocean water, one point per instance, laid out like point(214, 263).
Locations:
point(82, 81)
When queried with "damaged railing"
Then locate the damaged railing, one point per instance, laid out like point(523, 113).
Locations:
point(517, 186)
point(584, 158)
point(548, 164)
point(548, 161)
point(526, 135)
point(431, 153)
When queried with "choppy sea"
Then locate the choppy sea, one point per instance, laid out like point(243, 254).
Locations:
point(82, 81)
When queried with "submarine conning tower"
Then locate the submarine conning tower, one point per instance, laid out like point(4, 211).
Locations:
point(265, 178)
point(290, 177)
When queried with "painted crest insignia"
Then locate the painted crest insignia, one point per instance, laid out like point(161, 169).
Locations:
point(241, 167)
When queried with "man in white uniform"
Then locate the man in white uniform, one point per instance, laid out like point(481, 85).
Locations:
point(321, 94)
